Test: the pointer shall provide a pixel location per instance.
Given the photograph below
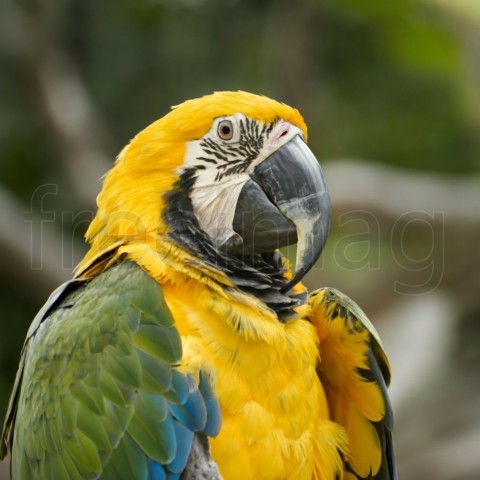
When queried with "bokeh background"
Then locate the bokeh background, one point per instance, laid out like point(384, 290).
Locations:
point(391, 93)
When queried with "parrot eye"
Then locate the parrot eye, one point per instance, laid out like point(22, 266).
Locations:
point(225, 130)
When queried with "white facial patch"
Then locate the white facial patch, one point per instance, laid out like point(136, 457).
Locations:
point(222, 167)
point(214, 207)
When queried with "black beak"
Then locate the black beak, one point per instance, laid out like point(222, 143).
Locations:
point(286, 201)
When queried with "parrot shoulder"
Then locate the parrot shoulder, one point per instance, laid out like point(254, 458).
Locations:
point(98, 391)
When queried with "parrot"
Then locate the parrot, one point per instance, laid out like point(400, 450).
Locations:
point(186, 345)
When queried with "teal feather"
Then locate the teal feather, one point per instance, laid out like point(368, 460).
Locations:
point(179, 391)
point(157, 377)
point(161, 342)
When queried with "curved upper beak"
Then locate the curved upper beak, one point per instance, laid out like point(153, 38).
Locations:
point(285, 201)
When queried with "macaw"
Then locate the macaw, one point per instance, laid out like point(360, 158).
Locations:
point(186, 345)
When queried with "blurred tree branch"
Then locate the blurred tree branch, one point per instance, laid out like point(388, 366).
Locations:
point(33, 261)
point(394, 192)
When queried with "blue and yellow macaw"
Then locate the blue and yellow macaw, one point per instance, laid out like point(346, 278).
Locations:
point(186, 346)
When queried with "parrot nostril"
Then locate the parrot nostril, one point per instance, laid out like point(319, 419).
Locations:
point(280, 133)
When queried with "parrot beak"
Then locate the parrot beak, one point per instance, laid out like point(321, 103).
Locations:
point(285, 201)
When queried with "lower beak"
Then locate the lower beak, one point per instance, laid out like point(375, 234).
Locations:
point(285, 201)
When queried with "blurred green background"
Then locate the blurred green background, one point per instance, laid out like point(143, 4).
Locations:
point(391, 93)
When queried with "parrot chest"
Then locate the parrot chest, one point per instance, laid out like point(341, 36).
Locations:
point(268, 420)
point(268, 390)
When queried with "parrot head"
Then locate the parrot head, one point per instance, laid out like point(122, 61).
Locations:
point(227, 177)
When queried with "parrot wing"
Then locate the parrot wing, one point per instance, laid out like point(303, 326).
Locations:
point(355, 373)
point(97, 394)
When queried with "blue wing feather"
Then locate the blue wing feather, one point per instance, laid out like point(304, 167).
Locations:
point(190, 417)
point(214, 419)
point(156, 471)
point(192, 413)
point(184, 444)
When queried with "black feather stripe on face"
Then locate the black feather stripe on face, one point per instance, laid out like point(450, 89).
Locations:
point(235, 158)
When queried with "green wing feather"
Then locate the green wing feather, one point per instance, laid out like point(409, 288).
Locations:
point(95, 385)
